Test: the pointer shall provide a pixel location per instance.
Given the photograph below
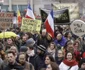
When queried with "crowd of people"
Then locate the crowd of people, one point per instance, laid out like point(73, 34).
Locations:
point(39, 51)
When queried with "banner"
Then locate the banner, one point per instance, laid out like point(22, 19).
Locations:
point(73, 9)
point(6, 20)
point(60, 16)
point(78, 27)
point(29, 25)
point(43, 15)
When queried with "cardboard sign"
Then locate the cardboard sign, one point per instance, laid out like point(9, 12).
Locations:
point(6, 20)
point(29, 25)
point(78, 27)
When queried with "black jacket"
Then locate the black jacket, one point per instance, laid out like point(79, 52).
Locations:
point(15, 66)
point(36, 61)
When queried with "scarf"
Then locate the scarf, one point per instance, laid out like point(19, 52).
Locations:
point(70, 63)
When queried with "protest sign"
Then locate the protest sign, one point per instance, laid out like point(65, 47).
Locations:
point(73, 9)
point(6, 19)
point(29, 25)
point(78, 27)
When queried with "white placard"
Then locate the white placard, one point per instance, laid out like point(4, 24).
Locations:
point(78, 27)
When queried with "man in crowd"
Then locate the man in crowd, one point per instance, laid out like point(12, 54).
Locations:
point(12, 64)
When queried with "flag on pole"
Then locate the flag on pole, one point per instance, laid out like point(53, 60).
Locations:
point(29, 13)
point(43, 15)
point(19, 16)
point(49, 24)
point(19, 19)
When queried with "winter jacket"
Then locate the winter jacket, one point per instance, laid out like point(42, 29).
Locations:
point(15, 66)
point(36, 61)
point(28, 66)
point(42, 41)
point(60, 42)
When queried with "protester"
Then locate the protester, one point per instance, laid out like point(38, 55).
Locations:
point(52, 66)
point(60, 40)
point(14, 49)
point(12, 64)
point(23, 40)
point(33, 58)
point(69, 63)
point(49, 59)
point(82, 64)
point(22, 60)
point(9, 43)
point(60, 57)
point(41, 52)
point(42, 39)
point(68, 36)
point(52, 49)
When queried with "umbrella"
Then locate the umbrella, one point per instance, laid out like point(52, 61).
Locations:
point(7, 34)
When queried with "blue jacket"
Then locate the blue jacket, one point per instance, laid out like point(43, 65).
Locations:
point(61, 42)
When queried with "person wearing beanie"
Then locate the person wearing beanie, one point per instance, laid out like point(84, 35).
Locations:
point(41, 51)
point(23, 49)
point(42, 48)
point(30, 42)
point(82, 64)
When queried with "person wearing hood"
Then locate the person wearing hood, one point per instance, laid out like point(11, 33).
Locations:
point(69, 63)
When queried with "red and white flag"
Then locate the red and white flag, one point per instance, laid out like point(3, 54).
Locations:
point(49, 24)
point(29, 13)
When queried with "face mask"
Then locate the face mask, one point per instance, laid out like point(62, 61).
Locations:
point(31, 53)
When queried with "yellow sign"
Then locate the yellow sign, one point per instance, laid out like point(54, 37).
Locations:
point(73, 9)
point(29, 25)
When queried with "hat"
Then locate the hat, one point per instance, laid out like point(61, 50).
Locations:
point(81, 62)
point(23, 49)
point(42, 48)
point(30, 42)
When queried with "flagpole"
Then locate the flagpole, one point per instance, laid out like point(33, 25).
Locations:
point(10, 5)
point(17, 13)
point(31, 3)
point(60, 1)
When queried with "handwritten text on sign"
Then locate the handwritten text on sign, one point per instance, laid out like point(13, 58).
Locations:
point(29, 25)
point(6, 19)
point(78, 27)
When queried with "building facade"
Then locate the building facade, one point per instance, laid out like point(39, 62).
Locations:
point(11, 5)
